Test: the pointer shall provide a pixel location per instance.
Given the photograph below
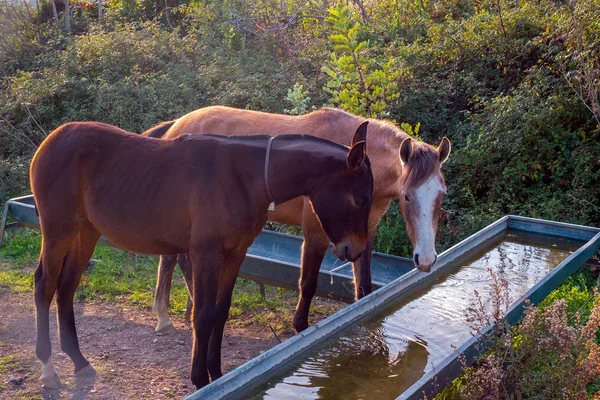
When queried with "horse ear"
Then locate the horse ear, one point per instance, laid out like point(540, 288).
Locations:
point(361, 134)
point(405, 150)
point(444, 150)
point(357, 155)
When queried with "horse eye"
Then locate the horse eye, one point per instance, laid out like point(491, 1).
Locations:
point(359, 202)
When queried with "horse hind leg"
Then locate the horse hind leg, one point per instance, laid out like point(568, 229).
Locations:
point(166, 266)
point(52, 255)
point(76, 260)
point(186, 268)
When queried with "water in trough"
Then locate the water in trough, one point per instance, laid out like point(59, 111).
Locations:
point(381, 358)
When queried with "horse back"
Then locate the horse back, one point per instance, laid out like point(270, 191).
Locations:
point(158, 131)
point(141, 193)
point(335, 125)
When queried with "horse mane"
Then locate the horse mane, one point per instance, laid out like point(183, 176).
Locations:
point(256, 138)
point(424, 160)
point(422, 164)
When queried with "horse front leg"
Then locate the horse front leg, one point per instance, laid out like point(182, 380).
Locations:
point(314, 248)
point(226, 284)
point(206, 264)
point(361, 269)
point(166, 265)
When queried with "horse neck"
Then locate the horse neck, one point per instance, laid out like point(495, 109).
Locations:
point(299, 166)
point(383, 145)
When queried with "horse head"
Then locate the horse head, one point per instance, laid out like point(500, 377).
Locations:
point(342, 204)
point(422, 191)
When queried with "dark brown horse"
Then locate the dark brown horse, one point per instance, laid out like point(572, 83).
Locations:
point(403, 168)
point(204, 195)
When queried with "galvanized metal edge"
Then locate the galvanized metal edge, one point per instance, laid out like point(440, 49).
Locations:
point(330, 284)
point(21, 198)
point(3, 222)
point(450, 368)
point(261, 368)
point(552, 228)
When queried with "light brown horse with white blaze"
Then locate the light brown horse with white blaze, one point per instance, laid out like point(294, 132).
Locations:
point(204, 195)
point(402, 167)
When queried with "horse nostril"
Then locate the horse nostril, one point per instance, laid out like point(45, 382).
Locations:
point(416, 259)
point(346, 252)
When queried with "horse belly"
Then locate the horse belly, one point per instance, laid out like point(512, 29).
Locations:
point(161, 233)
point(145, 244)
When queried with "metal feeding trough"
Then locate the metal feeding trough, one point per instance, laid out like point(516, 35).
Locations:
point(381, 329)
point(312, 364)
point(273, 258)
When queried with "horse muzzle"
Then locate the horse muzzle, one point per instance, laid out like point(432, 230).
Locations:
point(424, 264)
point(344, 251)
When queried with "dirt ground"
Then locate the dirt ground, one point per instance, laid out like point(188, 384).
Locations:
point(119, 341)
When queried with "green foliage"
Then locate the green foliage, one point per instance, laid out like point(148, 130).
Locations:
point(576, 292)
point(357, 82)
point(392, 237)
point(16, 281)
point(411, 130)
point(21, 247)
point(299, 99)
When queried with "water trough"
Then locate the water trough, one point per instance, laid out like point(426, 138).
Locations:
point(287, 364)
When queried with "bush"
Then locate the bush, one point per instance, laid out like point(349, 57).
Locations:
point(552, 353)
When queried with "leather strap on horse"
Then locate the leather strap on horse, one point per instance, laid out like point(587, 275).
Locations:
point(267, 158)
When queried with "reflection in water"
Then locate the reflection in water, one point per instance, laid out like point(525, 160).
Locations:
point(385, 356)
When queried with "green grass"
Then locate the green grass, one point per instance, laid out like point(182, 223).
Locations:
point(16, 281)
point(122, 275)
point(576, 290)
point(12, 365)
point(21, 247)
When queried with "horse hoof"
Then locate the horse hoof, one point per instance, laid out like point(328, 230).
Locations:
point(300, 325)
point(166, 330)
point(86, 372)
point(51, 382)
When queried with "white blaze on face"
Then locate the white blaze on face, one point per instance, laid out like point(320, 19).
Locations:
point(425, 197)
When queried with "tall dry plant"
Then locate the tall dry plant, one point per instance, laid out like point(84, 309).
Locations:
point(544, 357)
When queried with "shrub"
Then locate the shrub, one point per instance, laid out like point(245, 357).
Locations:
point(548, 355)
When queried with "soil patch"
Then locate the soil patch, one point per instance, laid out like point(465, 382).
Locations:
point(119, 341)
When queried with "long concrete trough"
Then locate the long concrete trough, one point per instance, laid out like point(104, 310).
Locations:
point(273, 258)
point(264, 376)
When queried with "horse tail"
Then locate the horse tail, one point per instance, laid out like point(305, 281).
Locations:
point(159, 130)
